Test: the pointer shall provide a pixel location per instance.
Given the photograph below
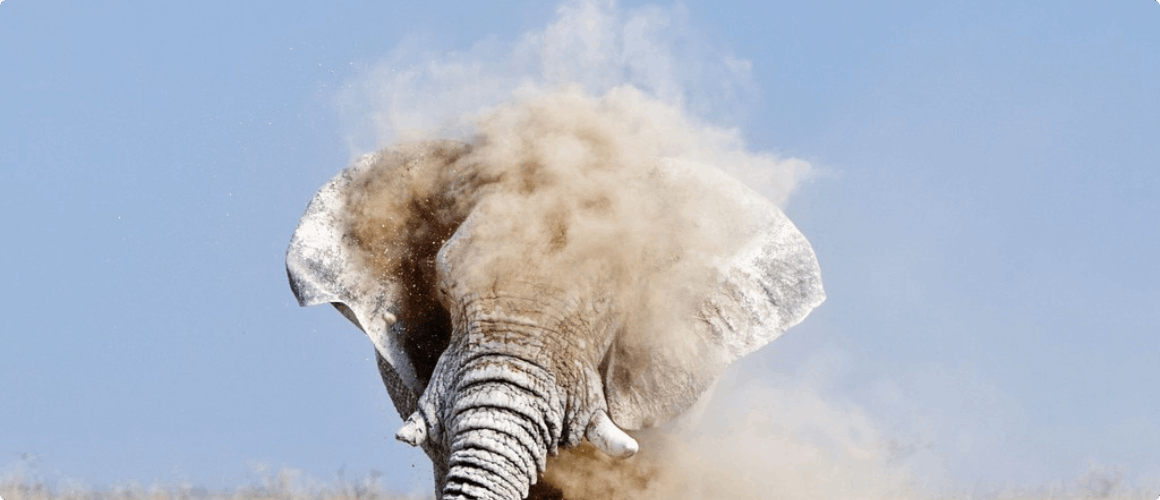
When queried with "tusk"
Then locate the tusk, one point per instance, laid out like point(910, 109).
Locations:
point(608, 438)
point(413, 431)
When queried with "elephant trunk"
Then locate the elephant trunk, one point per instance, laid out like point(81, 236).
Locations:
point(505, 420)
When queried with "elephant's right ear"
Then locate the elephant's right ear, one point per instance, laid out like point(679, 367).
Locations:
point(766, 279)
point(367, 244)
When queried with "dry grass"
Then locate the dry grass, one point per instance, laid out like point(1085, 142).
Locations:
point(287, 484)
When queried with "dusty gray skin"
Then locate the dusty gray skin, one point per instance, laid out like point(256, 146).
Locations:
point(495, 364)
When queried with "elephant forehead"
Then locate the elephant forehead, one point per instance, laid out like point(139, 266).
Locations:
point(529, 321)
point(508, 248)
point(490, 249)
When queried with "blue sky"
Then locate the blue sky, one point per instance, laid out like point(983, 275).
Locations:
point(984, 217)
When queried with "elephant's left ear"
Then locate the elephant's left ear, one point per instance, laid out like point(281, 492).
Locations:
point(366, 245)
point(767, 281)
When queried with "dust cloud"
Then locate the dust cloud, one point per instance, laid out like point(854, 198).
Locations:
point(757, 440)
point(591, 47)
point(594, 195)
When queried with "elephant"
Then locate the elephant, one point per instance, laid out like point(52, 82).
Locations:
point(518, 311)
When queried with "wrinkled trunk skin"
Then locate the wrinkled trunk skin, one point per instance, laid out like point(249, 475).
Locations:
point(493, 456)
point(502, 418)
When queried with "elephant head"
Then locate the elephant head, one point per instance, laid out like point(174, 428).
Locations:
point(521, 303)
